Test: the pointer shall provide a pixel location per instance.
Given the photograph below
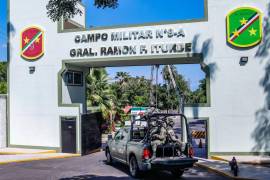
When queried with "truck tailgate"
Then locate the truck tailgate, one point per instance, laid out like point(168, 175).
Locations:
point(173, 162)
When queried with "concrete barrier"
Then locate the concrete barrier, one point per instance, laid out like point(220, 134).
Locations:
point(3, 120)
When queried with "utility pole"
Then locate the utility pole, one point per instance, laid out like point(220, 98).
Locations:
point(157, 67)
point(154, 100)
point(181, 103)
point(151, 98)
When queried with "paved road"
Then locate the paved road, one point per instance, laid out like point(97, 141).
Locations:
point(84, 168)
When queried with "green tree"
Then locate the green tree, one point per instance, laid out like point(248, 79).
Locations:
point(181, 84)
point(3, 77)
point(138, 91)
point(131, 90)
point(180, 81)
point(163, 102)
point(56, 9)
point(199, 96)
point(122, 77)
point(99, 93)
point(119, 88)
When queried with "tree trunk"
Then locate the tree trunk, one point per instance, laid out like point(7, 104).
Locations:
point(111, 122)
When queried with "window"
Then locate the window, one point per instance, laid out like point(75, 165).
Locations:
point(74, 78)
point(138, 133)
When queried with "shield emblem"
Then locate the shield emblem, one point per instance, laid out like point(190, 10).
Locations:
point(32, 43)
point(244, 27)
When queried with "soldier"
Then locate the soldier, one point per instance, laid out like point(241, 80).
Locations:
point(153, 128)
point(171, 135)
point(158, 136)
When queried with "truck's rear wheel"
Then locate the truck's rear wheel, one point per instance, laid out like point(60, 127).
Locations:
point(133, 167)
point(177, 173)
point(108, 156)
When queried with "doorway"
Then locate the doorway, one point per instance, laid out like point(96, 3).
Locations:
point(68, 135)
point(199, 133)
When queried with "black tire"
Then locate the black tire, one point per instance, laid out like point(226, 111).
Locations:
point(177, 173)
point(133, 167)
point(108, 156)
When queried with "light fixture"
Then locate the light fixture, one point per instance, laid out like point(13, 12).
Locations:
point(243, 60)
point(32, 69)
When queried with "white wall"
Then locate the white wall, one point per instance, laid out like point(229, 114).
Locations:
point(34, 111)
point(80, 19)
point(3, 120)
point(75, 94)
point(236, 94)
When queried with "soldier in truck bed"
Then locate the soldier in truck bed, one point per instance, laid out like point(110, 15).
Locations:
point(172, 136)
point(157, 135)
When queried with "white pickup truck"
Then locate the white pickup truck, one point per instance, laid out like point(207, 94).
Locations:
point(132, 146)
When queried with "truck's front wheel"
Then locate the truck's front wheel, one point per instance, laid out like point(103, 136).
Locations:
point(133, 167)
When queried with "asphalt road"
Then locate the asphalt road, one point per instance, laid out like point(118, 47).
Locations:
point(84, 168)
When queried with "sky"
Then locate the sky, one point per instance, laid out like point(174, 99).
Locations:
point(3, 30)
point(148, 11)
point(144, 11)
point(192, 73)
point(132, 12)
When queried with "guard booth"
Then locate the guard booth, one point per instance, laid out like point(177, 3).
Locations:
point(199, 134)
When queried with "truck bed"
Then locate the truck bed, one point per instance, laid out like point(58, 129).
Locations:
point(173, 162)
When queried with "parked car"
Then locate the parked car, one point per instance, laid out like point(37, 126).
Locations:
point(132, 146)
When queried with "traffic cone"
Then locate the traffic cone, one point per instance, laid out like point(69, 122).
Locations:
point(200, 144)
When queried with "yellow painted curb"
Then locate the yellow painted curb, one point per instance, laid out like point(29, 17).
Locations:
point(95, 151)
point(221, 172)
point(218, 158)
point(40, 158)
point(20, 153)
point(241, 162)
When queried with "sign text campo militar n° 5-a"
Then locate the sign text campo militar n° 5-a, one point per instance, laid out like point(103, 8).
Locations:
point(32, 43)
point(244, 27)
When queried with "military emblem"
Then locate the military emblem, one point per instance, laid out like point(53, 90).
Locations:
point(244, 27)
point(32, 43)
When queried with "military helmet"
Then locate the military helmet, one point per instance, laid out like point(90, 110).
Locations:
point(170, 122)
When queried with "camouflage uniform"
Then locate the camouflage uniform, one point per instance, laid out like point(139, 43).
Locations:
point(171, 135)
point(158, 137)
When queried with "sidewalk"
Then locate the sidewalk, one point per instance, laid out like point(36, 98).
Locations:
point(14, 151)
point(12, 155)
point(246, 171)
point(5, 159)
point(245, 159)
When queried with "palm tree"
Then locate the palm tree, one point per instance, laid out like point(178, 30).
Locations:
point(99, 93)
point(180, 82)
point(123, 78)
point(199, 96)
point(120, 89)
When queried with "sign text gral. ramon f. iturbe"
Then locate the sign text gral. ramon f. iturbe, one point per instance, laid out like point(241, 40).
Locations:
point(130, 37)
